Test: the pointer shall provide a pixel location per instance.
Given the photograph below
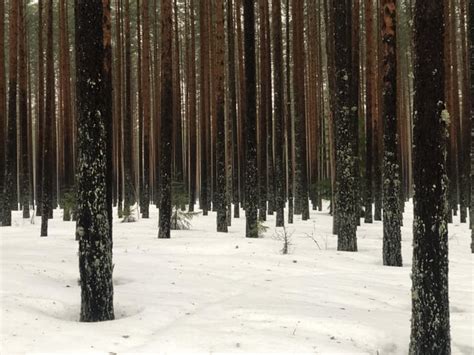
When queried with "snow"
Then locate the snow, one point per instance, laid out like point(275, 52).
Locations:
point(203, 291)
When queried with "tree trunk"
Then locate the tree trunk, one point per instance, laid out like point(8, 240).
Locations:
point(193, 154)
point(23, 112)
point(392, 249)
point(166, 116)
point(10, 189)
point(430, 303)
point(278, 98)
point(3, 111)
point(94, 116)
point(251, 181)
point(345, 182)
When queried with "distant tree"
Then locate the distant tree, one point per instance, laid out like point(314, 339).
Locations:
point(392, 249)
point(40, 117)
point(430, 333)
point(301, 173)
point(48, 128)
point(94, 115)
point(23, 111)
point(166, 117)
point(279, 100)
point(251, 182)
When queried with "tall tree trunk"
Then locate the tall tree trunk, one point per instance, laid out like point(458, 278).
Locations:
point(23, 112)
point(10, 188)
point(146, 109)
point(392, 249)
point(94, 117)
point(40, 118)
point(301, 173)
point(278, 98)
point(128, 125)
point(471, 52)
point(251, 181)
point(49, 127)
point(204, 102)
point(193, 154)
point(3, 111)
point(166, 116)
point(430, 303)
point(220, 189)
point(289, 119)
point(370, 108)
point(345, 182)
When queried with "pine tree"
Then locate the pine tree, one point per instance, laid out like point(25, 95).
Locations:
point(3, 109)
point(193, 155)
point(430, 332)
point(40, 118)
point(345, 181)
point(370, 109)
point(392, 253)
point(220, 194)
point(278, 98)
point(301, 182)
point(94, 109)
point(23, 112)
point(10, 187)
point(48, 128)
point(471, 61)
point(251, 182)
point(166, 117)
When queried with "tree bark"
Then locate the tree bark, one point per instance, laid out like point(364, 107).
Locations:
point(94, 116)
point(392, 249)
point(430, 303)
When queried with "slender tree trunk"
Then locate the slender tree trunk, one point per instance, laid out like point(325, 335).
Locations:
point(370, 108)
point(301, 173)
point(94, 114)
point(3, 112)
point(471, 61)
point(251, 193)
point(10, 188)
point(40, 118)
point(278, 98)
point(193, 154)
point(430, 303)
point(23, 112)
point(392, 249)
point(220, 189)
point(49, 127)
point(166, 116)
point(289, 119)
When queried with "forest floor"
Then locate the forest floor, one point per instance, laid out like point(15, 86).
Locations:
point(202, 291)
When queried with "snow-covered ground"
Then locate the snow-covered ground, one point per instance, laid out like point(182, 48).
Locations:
point(203, 291)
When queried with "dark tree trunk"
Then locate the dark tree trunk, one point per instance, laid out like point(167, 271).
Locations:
point(345, 158)
point(145, 79)
point(430, 332)
point(278, 98)
point(129, 186)
point(94, 117)
point(220, 189)
point(40, 118)
point(370, 109)
point(289, 119)
point(10, 189)
point(301, 173)
point(392, 249)
point(471, 56)
point(251, 181)
point(262, 115)
point(204, 102)
point(193, 155)
point(3, 110)
point(49, 127)
point(23, 112)
point(166, 116)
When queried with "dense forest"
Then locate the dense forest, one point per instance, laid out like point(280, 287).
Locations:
point(271, 107)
